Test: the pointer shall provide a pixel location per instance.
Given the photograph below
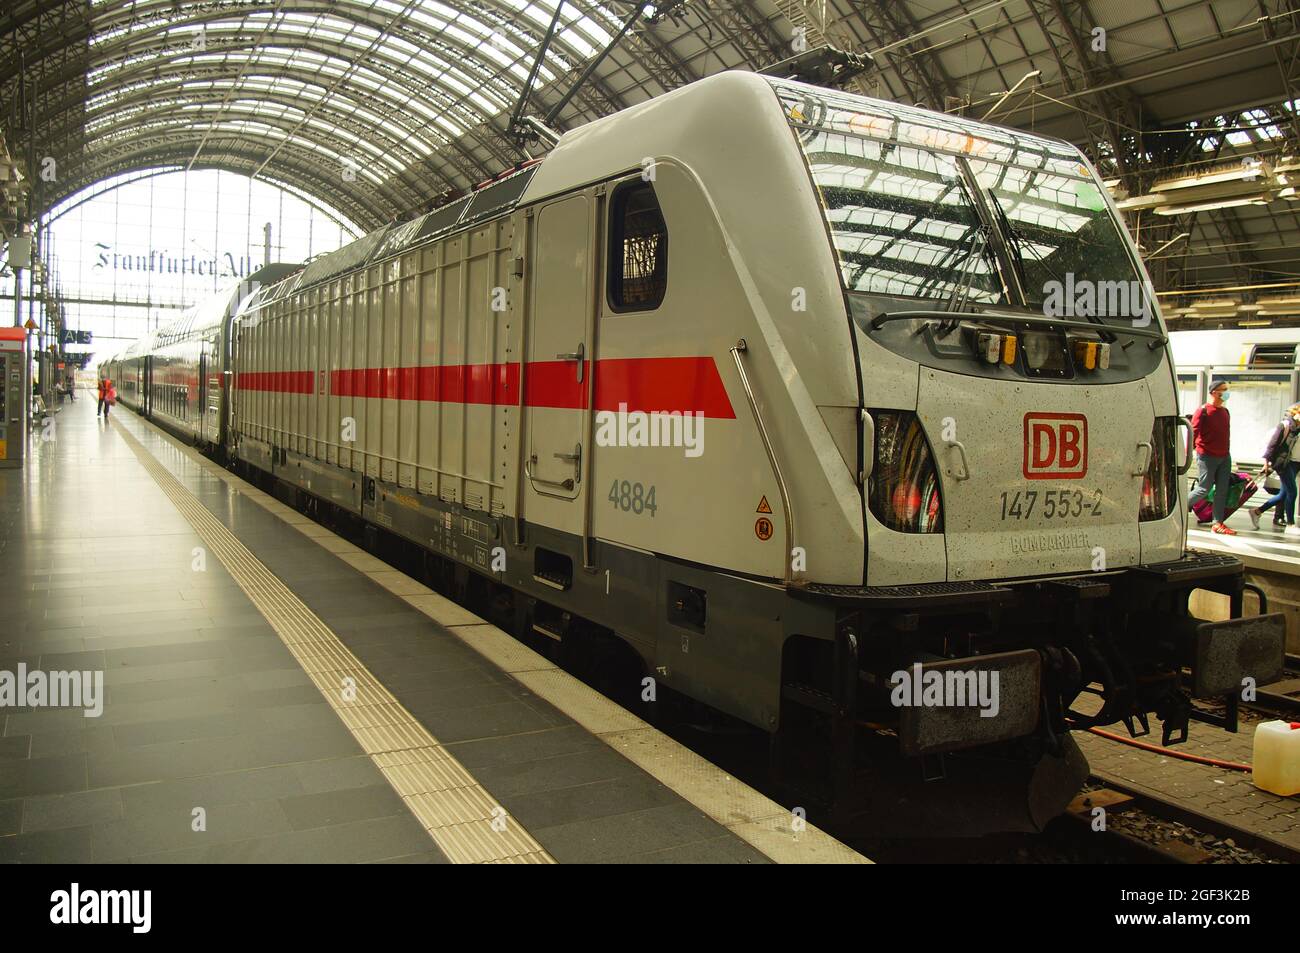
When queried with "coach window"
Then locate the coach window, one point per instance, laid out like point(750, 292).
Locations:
point(638, 249)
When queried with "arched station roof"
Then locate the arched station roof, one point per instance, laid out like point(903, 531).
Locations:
point(381, 107)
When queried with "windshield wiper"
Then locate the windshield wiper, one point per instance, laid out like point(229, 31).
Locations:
point(1017, 256)
point(1158, 338)
point(1016, 244)
point(960, 296)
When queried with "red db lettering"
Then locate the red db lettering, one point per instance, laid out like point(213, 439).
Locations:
point(1056, 446)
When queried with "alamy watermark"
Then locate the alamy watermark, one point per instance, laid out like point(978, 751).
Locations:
point(54, 689)
point(950, 688)
point(655, 428)
point(77, 906)
point(1084, 298)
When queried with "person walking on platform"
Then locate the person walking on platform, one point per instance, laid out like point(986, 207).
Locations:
point(110, 396)
point(1210, 426)
point(99, 393)
point(1278, 458)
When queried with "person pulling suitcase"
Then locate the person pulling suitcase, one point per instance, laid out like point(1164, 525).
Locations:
point(1278, 458)
point(1211, 427)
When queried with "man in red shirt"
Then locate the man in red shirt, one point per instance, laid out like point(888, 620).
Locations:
point(1211, 427)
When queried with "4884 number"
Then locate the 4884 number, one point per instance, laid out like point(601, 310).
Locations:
point(632, 497)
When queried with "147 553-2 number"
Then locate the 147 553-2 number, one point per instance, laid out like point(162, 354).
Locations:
point(1051, 504)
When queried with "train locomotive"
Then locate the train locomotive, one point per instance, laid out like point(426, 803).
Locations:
point(792, 400)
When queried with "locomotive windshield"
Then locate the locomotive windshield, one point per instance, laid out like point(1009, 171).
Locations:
point(903, 190)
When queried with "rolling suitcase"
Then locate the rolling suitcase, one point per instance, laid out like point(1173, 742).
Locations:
point(1240, 489)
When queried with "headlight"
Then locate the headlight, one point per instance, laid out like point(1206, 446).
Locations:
point(1159, 489)
point(1044, 353)
point(903, 490)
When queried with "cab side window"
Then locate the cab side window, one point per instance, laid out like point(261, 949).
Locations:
point(638, 249)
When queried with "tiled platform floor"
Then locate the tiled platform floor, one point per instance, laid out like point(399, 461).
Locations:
point(1268, 541)
point(207, 708)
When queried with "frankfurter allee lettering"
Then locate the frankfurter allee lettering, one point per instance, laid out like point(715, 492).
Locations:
point(224, 265)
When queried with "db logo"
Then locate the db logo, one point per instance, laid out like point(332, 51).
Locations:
point(1056, 446)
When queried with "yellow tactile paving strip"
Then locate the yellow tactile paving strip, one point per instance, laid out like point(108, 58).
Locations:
point(464, 820)
point(759, 821)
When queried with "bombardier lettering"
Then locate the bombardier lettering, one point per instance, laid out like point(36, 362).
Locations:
point(1048, 542)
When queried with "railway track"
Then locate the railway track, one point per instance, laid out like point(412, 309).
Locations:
point(1105, 824)
point(1207, 831)
point(1191, 835)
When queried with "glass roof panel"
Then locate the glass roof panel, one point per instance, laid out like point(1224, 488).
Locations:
point(419, 73)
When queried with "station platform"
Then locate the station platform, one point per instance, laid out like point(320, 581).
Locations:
point(1266, 547)
point(273, 693)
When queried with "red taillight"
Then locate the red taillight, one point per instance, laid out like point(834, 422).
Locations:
point(1159, 486)
point(903, 491)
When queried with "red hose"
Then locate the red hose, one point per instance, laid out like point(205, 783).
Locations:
point(1215, 762)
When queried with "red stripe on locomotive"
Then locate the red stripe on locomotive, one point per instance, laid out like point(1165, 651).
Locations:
point(665, 384)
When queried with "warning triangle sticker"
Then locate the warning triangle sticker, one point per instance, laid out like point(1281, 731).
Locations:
point(763, 507)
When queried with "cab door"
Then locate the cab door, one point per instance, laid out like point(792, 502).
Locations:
point(556, 378)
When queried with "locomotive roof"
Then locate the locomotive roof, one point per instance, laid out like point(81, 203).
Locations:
point(667, 125)
point(494, 198)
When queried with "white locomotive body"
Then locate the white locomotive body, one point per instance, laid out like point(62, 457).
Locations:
point(788, 391)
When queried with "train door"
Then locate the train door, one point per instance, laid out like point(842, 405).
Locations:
point(145, 377)
point(556, 380)
point(231, 358)
point(209, 394)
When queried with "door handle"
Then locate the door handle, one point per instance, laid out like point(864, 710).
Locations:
point(575, 458)
point(528, 471)
point(965, 467)
point(1146, 457)
point(578, 355)
point(1182, 421)
point(868, 447)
